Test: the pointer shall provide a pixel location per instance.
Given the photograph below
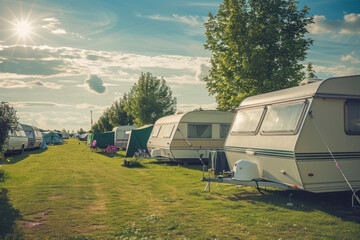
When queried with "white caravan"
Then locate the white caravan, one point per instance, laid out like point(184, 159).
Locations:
point(185, 137)
point(34, 135)
point(305, 137)
point(121, 137)
point(17, 141)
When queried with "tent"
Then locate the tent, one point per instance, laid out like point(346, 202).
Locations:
point(52, 138)
point(65, 135)
point(83, 137)
point(138, 140)
point(103, 140)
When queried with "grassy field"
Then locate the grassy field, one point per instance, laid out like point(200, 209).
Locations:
point(69, 192)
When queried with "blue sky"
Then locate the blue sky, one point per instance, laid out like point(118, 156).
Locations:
point(80, 56)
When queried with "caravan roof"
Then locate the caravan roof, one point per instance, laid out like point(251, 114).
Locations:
point(330, 88)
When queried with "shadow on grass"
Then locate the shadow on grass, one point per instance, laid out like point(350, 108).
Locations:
point(132, 163)
point(337, 204)
point(164, 162)
point(109, 155)
point(8, 215)
point(13, 158)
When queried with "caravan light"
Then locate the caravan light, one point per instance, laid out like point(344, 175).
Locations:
point(294, 186)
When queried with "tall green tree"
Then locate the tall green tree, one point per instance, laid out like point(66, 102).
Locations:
point(95, 128)
point(257, 47)
point(8, 121)
point(150, 99)
point(114, 116)
point(104, 121)
point(118, 115)
point(81, 131)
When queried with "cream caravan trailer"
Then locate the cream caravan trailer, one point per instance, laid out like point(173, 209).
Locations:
point(186, 137)
point(17, 141)
point(305, 137)
point(34, 135)
point(121, 136)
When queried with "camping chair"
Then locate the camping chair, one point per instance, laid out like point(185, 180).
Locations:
point(141, 153)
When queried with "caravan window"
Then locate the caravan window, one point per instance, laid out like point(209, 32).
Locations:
point(156, 131)
point(20, 133)
point(199, 130)
point(29, 134)
point(283, 118)
point(247, 120)
point(352, 117)
point(224, 129)
point(38, 134)
point(168, 129)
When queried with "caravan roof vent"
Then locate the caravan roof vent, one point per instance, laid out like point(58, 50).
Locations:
point(309, 80)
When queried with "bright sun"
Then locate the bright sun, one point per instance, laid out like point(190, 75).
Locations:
point(23, 29)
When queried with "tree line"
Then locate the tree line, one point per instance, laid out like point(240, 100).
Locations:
point(148, 100)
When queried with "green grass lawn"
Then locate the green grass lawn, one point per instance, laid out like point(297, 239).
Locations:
point(69, 192)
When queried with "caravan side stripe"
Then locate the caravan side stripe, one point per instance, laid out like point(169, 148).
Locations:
point(326, 156)
point(260, 151)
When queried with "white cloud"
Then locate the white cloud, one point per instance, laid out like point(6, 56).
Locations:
point(336, 70)
point(89, 106)
point(202, 71)
point(204, 4)
point(349, 25)
point(190, 107)
point(38, 83)
point(54, 104)
point(52, 24)
point(110, 65)
point(350, 58)
point(13, 84)
point(193, 21)
point(30, 84)
point(38, 104)
point(68, 81)
point(59, 120)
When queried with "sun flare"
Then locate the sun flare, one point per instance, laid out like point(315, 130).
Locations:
point(23, 29)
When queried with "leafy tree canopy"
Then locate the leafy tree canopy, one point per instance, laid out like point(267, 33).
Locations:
point(150, 99)
point(8, 121)
point(114, 116)
point(257, 47)
point(81, 131)
point(118, 115)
